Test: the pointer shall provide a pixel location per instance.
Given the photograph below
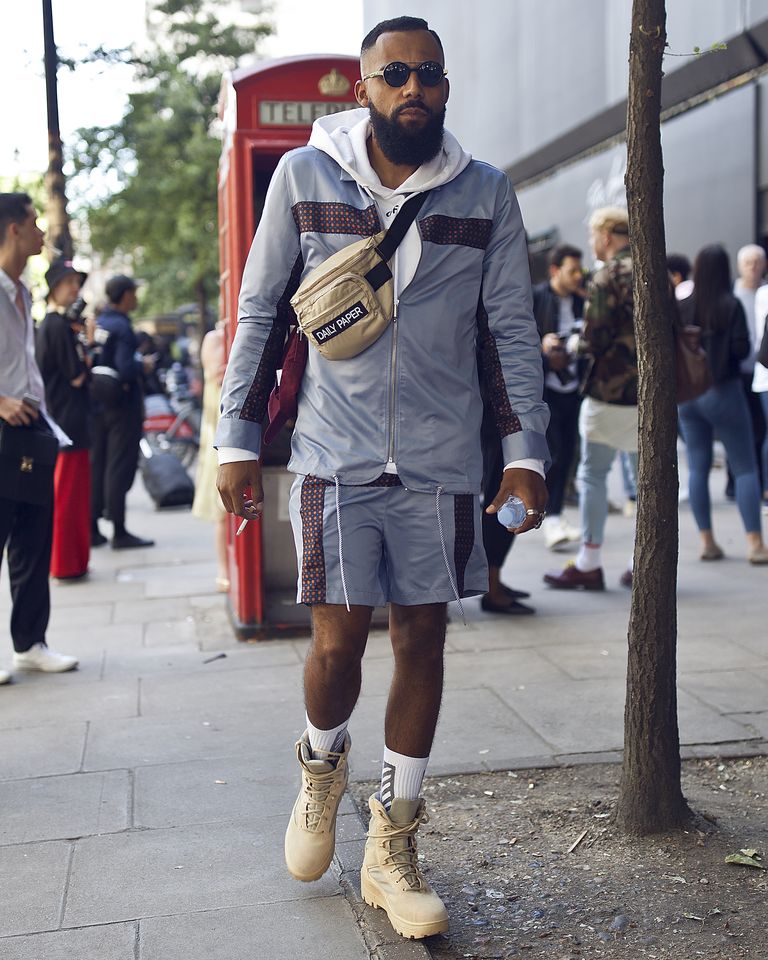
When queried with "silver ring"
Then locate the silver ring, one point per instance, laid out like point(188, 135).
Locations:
point(532, 513)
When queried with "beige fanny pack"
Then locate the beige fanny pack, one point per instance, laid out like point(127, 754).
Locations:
point(345, 304)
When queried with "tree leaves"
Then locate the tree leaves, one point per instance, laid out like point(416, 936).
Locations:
point(158, 164)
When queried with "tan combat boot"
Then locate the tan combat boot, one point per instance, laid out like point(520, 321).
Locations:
point(391, 878)
point(311, 835)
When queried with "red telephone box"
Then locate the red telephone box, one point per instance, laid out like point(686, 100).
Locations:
point(267, 110)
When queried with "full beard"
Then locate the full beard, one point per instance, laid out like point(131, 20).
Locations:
point(404, 147)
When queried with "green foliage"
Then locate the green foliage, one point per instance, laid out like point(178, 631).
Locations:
point(160, 160)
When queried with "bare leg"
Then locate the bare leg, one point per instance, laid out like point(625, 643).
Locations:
point(332, 673)
point(418, 638)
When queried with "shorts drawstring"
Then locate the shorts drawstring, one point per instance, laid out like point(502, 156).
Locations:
point(341, 549)
point(445, 554)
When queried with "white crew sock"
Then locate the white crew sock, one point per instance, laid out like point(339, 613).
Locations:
point(589, 557)
point(401, 777)
point(326, 741)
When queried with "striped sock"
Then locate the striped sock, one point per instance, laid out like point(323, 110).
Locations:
point(401, 777)
point(326, 741)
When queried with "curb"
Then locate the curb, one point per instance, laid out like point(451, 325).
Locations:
point(380, 939)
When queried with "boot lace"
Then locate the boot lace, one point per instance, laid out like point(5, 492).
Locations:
point(402, 851)
point(317, 787)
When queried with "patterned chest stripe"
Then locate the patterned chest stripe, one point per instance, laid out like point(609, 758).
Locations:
point(341, 218)
point(467, 232)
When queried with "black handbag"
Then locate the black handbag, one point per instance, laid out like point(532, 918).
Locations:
point(762, 350)
point(27, 460)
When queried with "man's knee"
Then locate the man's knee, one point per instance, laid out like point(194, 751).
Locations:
point(338, 637)
point(418, 633)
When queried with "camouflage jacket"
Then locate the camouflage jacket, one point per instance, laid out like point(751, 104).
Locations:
point(608, 335)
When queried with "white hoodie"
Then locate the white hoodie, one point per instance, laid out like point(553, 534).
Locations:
point(344, 137)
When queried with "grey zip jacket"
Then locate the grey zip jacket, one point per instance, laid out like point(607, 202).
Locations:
point(464, 324)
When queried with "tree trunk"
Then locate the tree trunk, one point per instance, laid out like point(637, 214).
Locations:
point(651, 797)
point(59, 239)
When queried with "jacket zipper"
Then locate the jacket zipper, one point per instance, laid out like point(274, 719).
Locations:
point(393, 381)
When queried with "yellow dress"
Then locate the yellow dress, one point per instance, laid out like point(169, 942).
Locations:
point(207, 503)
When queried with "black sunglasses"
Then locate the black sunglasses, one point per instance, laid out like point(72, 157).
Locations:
point(396, 74)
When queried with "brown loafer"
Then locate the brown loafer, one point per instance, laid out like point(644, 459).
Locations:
point(572, 579)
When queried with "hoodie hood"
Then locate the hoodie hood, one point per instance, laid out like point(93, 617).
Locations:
point(343, 136)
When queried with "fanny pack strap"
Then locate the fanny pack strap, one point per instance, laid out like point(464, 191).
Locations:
point(381, 273)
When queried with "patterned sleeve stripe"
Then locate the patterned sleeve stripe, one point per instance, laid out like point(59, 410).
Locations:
point(467, 232)
point(255, 406)
point(340, 218)
point(492, 377)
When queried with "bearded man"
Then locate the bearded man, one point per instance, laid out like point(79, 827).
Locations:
point(386, 446)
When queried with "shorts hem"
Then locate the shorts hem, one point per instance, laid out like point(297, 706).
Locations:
point(444, 597)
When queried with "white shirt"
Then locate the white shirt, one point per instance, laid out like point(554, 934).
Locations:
point(19, 373)
point(760, 378)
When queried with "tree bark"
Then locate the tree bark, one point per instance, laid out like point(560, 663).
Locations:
point(59, 239)
point(651, 797)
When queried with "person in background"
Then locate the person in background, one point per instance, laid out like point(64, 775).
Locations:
point(25, 528)
point(63, 364)
point(608, 414)
point(679, 267)
point(722, 410)
point(207, 504)
point(760, 379)
point(117, 426)
point(497, 540)
point(750, 262)
point(558, 306)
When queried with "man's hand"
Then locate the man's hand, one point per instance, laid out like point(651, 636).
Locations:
point(553, 349)
point(16, 412)
point(232, 481)
point(530, 487)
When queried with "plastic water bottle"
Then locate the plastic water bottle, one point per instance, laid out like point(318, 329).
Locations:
point(512, 513)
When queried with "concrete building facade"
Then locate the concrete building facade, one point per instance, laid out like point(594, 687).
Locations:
point(539, 89)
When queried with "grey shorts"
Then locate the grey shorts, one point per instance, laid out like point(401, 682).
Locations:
point(389, 547)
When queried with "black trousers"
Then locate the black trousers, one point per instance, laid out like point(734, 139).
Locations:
point(114, 459)
point(562, 435)
point(497, 540)
point(27, 531)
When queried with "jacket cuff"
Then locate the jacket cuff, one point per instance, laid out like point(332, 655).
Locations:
point(524, 445)
point(245, 434)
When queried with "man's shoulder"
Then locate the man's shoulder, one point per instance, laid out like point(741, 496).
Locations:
point(486, 172)
point(305, 158)
point(113, 320)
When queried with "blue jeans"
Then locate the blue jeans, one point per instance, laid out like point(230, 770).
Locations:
point(764, 401)
point(721, 412)
point(592, 476)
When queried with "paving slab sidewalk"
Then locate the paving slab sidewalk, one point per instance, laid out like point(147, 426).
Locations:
point(144, 796)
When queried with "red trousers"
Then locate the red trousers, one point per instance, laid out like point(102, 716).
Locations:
point(71, 514)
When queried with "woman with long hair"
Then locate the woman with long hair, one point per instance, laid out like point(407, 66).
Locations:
point(721, 411)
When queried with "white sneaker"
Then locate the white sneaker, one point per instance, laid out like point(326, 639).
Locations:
point(5, 677)
point(41, 657)
point(559, 533)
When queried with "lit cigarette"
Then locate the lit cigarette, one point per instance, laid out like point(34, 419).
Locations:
point(242, 527)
